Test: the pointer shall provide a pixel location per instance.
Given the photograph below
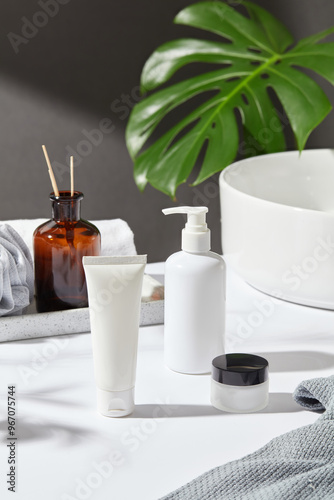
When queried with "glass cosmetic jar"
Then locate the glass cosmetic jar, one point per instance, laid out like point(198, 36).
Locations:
point(239, 383)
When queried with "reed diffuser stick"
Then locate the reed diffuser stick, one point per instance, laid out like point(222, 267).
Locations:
point(51, 174)
point(72, 176)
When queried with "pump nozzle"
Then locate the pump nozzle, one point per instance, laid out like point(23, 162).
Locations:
point(195, 235)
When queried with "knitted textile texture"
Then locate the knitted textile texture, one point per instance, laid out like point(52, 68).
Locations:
point(298, 465)
point(16, 272)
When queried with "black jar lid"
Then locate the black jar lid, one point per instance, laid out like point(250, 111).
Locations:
point(240, 369)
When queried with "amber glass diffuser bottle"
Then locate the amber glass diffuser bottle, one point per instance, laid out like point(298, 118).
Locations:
point(59, 245)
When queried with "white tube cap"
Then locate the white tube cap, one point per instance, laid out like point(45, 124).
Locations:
point(115, 403)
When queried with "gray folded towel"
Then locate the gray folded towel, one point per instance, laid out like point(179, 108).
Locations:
point(16, 272)
point(298, 465)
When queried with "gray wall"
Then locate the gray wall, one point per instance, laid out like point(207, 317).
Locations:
point(82, 67)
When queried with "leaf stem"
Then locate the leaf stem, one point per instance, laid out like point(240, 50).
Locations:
point(238, 88)
point(245, 82)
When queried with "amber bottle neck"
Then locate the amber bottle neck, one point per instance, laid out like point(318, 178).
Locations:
point(66, 208)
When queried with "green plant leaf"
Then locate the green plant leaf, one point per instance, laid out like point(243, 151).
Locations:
point(173, 55)
point(319, 58)
point(252, 58)
point(311, 40)
point(223, 20)
point(278, 35)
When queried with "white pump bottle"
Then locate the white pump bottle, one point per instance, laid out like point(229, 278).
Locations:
point(194, 298)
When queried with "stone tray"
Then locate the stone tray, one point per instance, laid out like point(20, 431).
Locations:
point(32, 324)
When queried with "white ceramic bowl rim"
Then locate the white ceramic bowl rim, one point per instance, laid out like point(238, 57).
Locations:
point(263, 158)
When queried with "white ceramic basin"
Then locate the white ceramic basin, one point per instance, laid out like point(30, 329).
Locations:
point(278, 224)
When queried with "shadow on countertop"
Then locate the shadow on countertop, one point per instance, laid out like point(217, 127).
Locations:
point(279, 402)
point(29, 430)
point(295, 361)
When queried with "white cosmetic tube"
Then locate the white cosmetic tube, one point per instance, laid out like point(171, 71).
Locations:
point(114, 294)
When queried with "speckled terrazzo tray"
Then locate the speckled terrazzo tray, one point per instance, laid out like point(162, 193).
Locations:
point(32, 324)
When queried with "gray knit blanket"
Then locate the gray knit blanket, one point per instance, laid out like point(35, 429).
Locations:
point(298, 465)
point(16, 272)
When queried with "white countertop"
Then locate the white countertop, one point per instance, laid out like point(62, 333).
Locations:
point(174, 434)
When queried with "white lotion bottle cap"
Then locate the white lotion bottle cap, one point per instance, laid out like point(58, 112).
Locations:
point(115, 403)
point(196, 236)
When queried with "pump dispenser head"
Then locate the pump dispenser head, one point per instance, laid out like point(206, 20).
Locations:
point(196, 235)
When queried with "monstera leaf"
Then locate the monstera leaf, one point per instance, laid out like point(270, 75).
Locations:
point(251, 58)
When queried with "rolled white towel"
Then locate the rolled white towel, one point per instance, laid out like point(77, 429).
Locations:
point(16, 272)
point(116, 235)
